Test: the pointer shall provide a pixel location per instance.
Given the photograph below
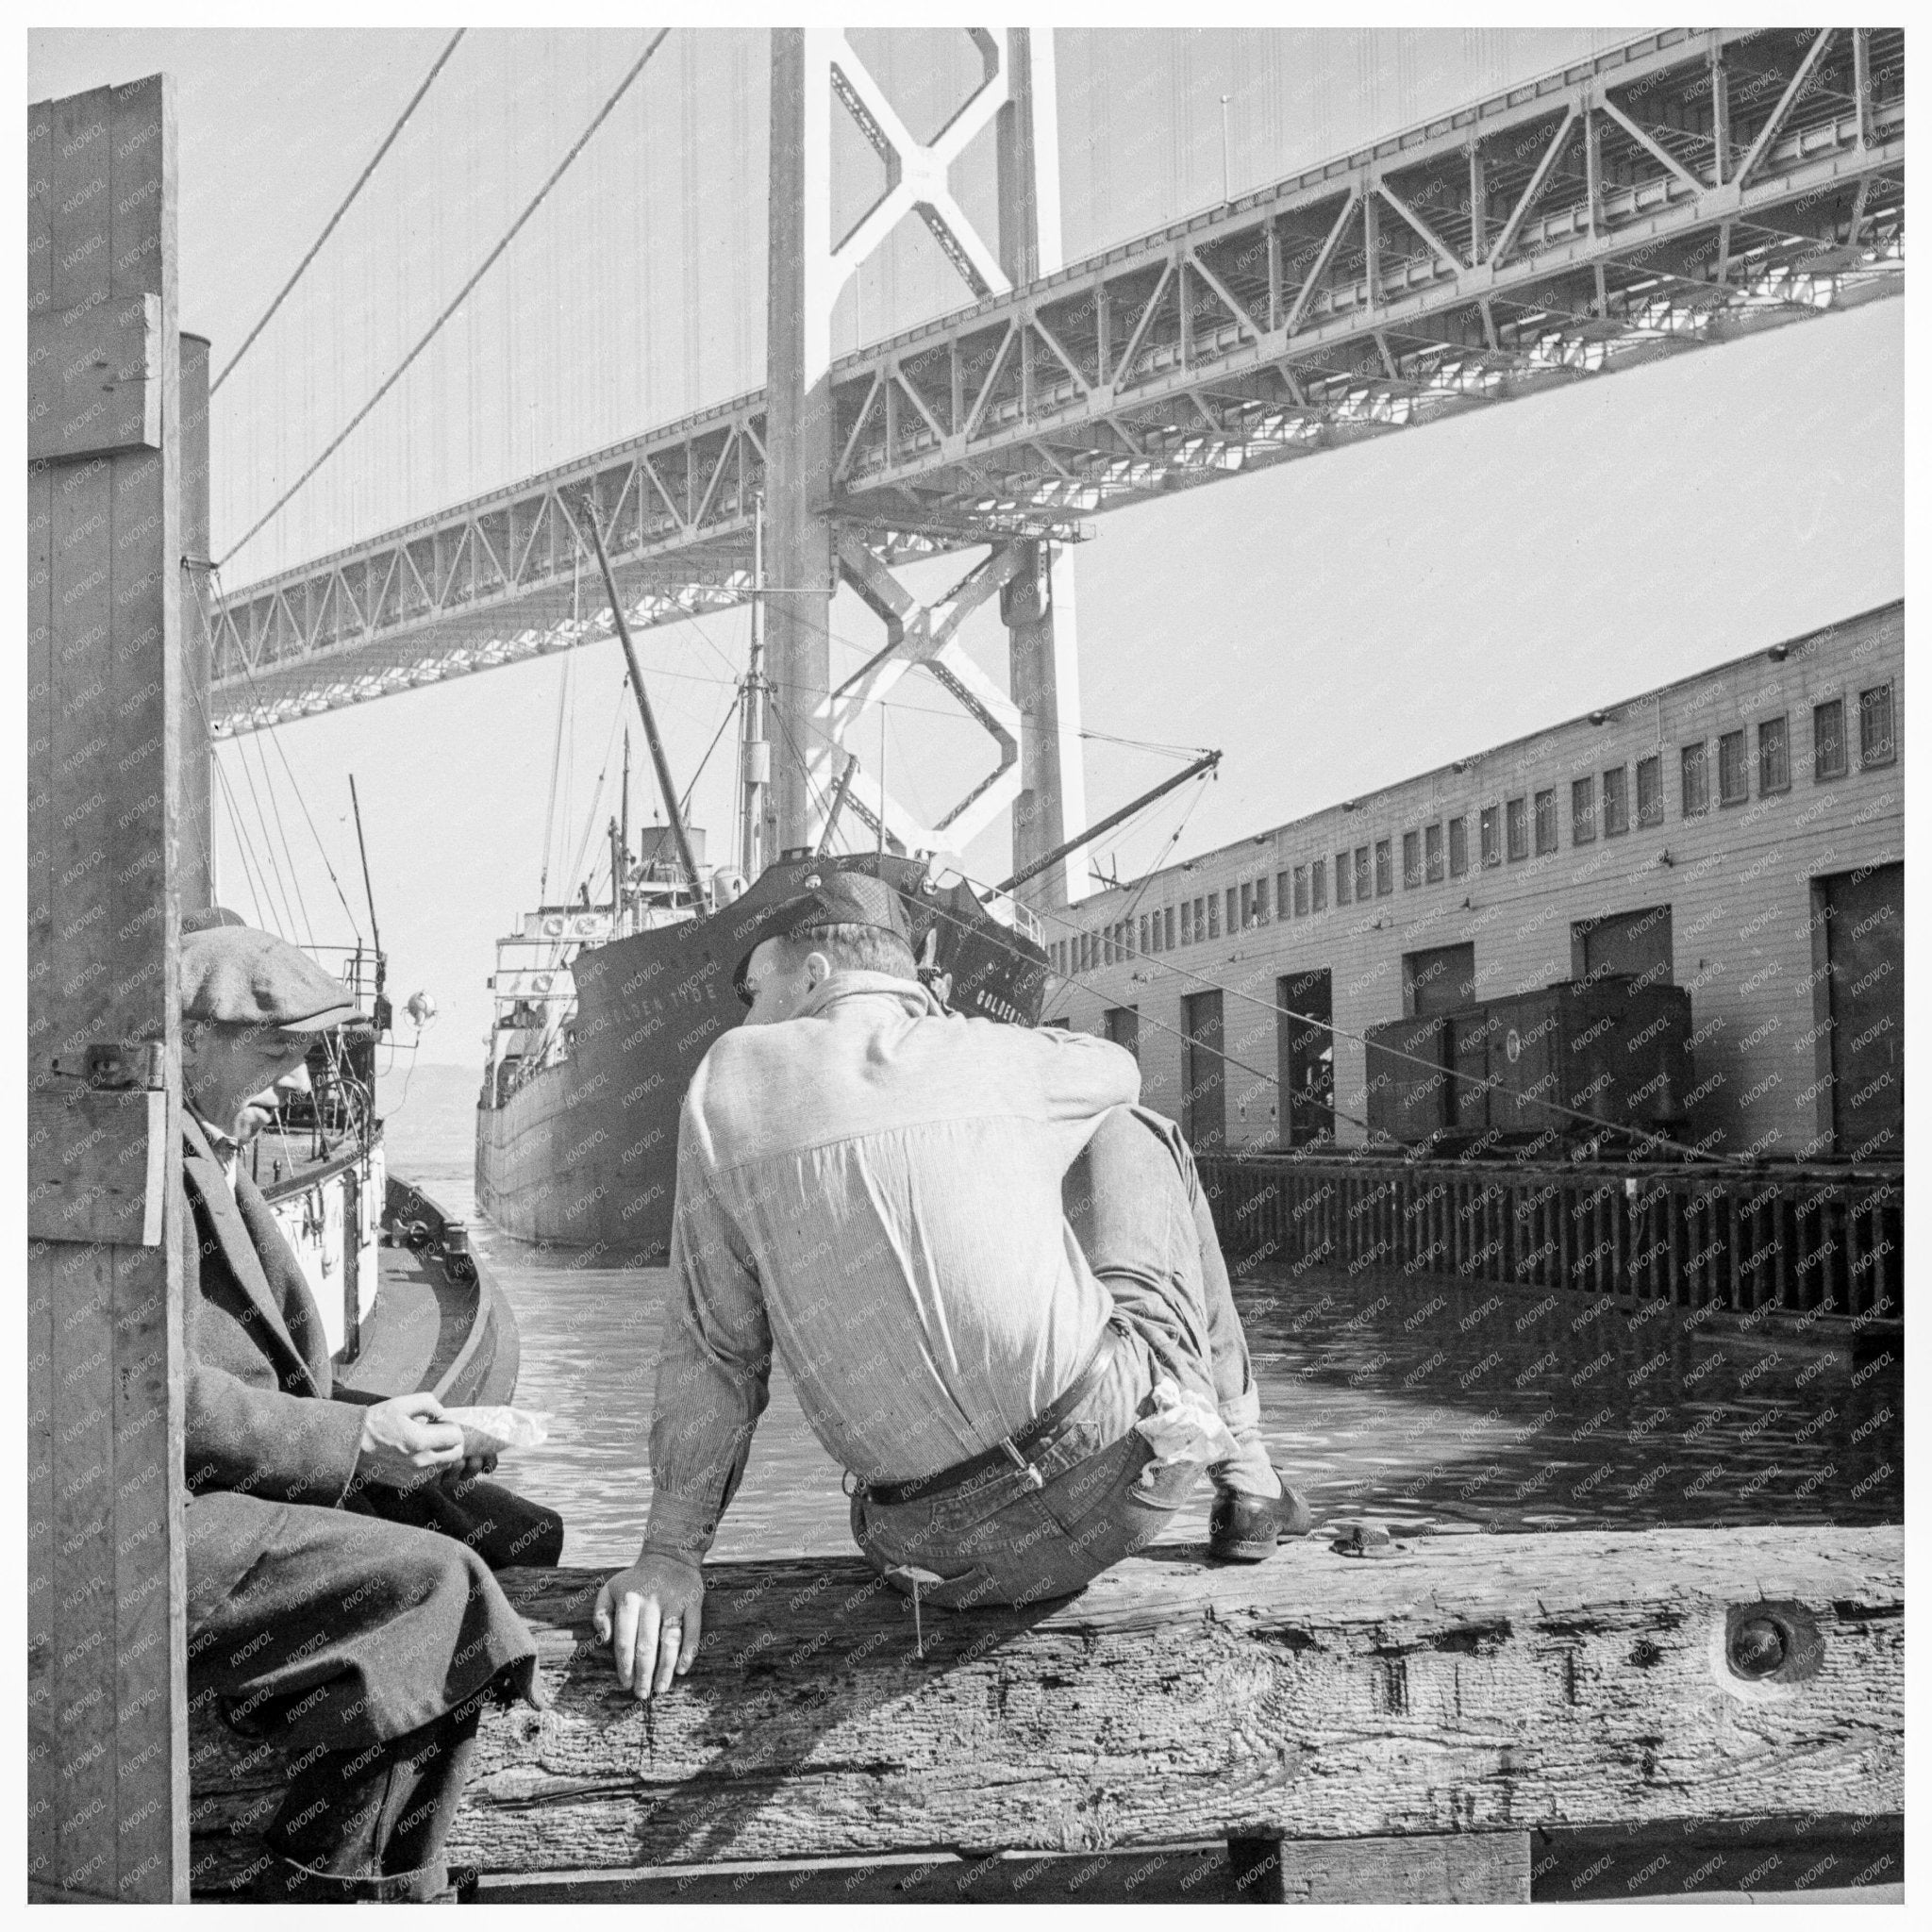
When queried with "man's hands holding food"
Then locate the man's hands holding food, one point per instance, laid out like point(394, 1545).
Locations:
point(651, 1615)
point(406, 1441)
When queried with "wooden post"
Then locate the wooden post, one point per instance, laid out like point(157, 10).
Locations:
point(197, 825)
point(107, 1668)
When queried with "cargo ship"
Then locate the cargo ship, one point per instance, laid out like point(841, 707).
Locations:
point(602, 1017)
point(603, 1012)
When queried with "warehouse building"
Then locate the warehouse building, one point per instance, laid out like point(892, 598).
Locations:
point(1738, 834)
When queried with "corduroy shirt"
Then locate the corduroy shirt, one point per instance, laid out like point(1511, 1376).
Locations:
point(872, 1188)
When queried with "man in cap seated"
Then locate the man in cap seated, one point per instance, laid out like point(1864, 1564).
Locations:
point(992, 1276)
point(339, 1594)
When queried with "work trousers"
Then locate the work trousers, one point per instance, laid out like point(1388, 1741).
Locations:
point(1135, 1203)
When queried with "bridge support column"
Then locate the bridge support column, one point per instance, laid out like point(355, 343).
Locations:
point(1037, 606)
point(799, 558)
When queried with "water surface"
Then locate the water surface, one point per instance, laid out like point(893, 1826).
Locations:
point(1412, 1402)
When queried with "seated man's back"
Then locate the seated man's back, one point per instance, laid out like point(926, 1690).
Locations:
point(889, 1176)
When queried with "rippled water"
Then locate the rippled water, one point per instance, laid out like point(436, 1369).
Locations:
point(1427, 1404)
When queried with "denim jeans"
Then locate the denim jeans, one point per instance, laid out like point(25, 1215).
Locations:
point(1135, 1205)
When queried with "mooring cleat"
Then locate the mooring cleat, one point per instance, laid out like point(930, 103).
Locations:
point(1359, 1540)
point(1248, 1529)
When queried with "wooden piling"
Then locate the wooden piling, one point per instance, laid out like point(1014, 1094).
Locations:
point(106, 1702)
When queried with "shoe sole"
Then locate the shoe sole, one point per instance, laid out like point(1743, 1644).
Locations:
point(1243, 1552)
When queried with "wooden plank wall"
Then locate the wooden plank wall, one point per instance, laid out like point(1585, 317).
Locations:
point(107, 1710)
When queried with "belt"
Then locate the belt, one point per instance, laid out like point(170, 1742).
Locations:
point(1015, 1451)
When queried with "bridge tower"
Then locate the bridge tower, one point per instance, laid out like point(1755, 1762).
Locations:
point(810, 547)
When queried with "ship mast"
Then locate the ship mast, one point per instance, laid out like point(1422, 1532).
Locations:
point(666, 790)
point(757, 768)
point(621, 858)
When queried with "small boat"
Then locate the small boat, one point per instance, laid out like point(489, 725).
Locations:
point(405, 1302)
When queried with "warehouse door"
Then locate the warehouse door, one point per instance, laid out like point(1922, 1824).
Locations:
point(1305, 1057)
point(1637, 942)
point(1123, 1024)
point(1865, 945)
point(1204, 1096)
point(1442, 980)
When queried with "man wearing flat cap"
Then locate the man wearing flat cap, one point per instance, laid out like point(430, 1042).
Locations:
point(339, 1594)
point(992, 1276)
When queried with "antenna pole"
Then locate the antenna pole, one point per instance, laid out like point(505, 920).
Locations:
point(375, 931)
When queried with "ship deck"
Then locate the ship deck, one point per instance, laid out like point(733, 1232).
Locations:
point(417, 1330)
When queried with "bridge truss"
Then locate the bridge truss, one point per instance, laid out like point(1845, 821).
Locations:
point(1679, 190)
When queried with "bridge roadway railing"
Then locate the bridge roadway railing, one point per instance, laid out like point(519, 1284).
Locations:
point(1824, 1247)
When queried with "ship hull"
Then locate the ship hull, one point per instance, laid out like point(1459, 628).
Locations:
point(584, 1153)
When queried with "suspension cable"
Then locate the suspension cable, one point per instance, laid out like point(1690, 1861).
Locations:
point(274, 732)
point(389, 141)
point(457, 301)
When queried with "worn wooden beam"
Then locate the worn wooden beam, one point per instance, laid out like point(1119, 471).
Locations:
point(1480, 1684)
point(108, 1779)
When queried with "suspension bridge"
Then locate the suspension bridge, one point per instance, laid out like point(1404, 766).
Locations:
point(1673, 193)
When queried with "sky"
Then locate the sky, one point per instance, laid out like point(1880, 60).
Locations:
point(1330, 625)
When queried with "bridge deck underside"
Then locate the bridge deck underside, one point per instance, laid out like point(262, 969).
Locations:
point(1678, 192)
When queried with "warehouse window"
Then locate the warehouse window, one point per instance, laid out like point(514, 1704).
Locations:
point(1695, 769)
point(1233, 912)
point(1286, 900)
point(1300, 890)
point(1248, 906)
point(1143, 932)
point(1187, 921)
point(1343, 871)
point(1492, 829)
point(1411, 860)
point(1774, 757)
point(1318, 885)
point(1650, 790)
point(1213, 917)
point(1876, 744)
point(1364, 876)
point(1167, 929)
point(1546, 820)
point(1432, 853)
point(1616, 800)
point(1829, 740)
point(1733, 785)
point(1262, 900)
point(1582, 811)
point(1385, 868)
point(1516, 826)
point(1458, 847)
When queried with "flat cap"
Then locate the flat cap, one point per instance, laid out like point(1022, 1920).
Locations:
point(831, 898)
point(239, 976)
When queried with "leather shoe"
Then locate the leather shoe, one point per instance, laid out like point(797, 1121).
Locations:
point(1246, 1529)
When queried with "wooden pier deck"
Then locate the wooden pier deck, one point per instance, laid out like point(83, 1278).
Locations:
point(1432, 1722)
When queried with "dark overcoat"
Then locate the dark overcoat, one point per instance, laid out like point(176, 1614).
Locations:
point(320, 1610)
